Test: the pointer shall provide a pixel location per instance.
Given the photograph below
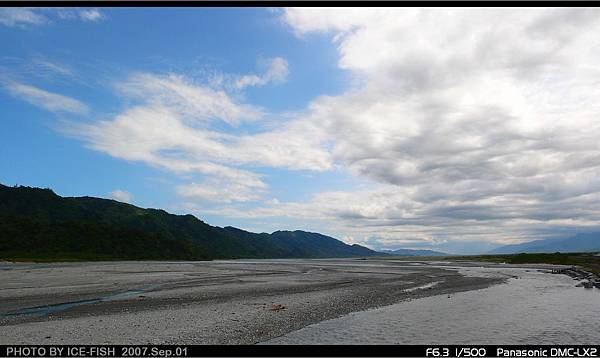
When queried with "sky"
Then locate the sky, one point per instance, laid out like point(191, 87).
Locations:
point(457, 130)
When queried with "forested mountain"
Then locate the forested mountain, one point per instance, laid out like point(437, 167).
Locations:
point(37, 224)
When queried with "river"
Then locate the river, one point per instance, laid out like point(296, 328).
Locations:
point(533, 307)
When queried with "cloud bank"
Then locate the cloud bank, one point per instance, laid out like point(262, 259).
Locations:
point(472, 125)
point(476, 123)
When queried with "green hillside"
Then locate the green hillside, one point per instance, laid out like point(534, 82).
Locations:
point(37, 224)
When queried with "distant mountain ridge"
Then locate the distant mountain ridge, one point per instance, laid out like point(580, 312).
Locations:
point(583, 242)
point(39, 224)
point(414, 252)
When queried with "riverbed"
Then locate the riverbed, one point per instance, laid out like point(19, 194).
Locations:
point(292, 301)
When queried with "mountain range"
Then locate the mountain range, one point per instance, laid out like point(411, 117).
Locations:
point(37, 224)
point(583, 242)
point(414, 252)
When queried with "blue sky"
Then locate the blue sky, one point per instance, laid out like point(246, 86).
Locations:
point(385, 127)
point(83, 59)
point(97, 54)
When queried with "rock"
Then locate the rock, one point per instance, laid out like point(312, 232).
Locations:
point(277, 307)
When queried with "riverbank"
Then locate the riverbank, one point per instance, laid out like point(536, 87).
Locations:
point(588, 279)
point(587, 261)
point(219, 302)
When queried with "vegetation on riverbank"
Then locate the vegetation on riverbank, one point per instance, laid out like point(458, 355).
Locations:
point(587, 261)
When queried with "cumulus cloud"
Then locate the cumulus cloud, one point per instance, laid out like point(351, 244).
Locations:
point(475, 122)
point(47, 100)
point(121, 195)
point(276, 72)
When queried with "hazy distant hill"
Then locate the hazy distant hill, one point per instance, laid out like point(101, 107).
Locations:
point(38, 224)
point(585, 242)
point(411, 252)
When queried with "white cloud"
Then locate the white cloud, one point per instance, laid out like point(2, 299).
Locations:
point(10, 16)
point(51, 67)
point(277, 72)
point(121, 195)
point(463, 124)
point(91, 15)
point(194, 103)
point(40, 16)
point(474, 123)
point(176, 125)
point(47, 100)
point(219, 190)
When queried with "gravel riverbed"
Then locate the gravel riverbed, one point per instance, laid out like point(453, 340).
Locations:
point(218, 302)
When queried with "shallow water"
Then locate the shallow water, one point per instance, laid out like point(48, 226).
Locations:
point(535, 308)
point(58, 307)
point(422, 287)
